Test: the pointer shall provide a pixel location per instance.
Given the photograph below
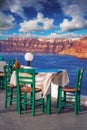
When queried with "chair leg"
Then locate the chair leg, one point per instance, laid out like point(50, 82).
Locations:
point(42, 105)
point(2, 85)
point(18, 103)
point(25, 101)
point(79, 102)
point(64, 100)
point(42, 108)
point(11, 96)
point(48, 104)
point(76, 105)
point(33, 103)
point(6, 98)
point(59, 99)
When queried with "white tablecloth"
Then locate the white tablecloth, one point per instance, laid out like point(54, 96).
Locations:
point(2, 63)
point(44, 80)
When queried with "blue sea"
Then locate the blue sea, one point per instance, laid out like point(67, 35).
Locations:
point(70, 63)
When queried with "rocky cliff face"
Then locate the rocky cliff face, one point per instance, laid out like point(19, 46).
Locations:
point(79, 49)
point(34, 45)
point(76, 48)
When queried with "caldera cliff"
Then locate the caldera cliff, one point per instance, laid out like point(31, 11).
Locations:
point(79, 49)
point(74, 47)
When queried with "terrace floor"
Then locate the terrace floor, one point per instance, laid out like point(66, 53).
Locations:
point(66, 120)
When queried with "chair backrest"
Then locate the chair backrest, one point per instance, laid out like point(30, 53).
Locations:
point(7, 73)
point(11, 62)
point(79, 79)
point(25, 77)
point(1, 58)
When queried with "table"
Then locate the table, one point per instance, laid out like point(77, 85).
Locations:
point(2, 63)
point(44, 78)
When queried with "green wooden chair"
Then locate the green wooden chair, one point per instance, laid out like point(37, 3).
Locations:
point(1, 58)
point(68, 95)
point(11, 62)
point(26, 90)
point(2, 63)
point(1, 80)
point(10, 89)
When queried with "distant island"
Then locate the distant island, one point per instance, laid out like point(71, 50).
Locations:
point(74, 47)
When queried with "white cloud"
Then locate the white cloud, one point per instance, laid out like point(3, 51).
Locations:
point(6, 21)
point(28, 26)
point(76, 10)
point(53, 35)
point(74, 24)
point(16, 6)
point(33, 3)
point(74, 7)
point(37, 24)
point(66, 35)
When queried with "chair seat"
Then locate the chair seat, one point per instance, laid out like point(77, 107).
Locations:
point(1, 74)
point(29, 89)
point(11, 86)
point(69, 89)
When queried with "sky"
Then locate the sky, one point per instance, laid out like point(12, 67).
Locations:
point(43, 18)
